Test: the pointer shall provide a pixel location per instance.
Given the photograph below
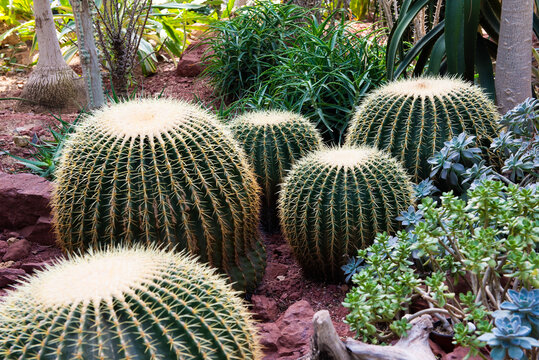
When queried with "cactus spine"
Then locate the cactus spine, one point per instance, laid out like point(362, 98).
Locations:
point(274, 140)
point(334, 201)
point(161, 172)
point(413, 118)
point(135, 304)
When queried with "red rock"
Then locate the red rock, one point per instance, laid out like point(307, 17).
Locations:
point(460, 353)
point(189, 66)
point(33, 266)
point(17, 251)
point(269, 336)
point(265, 309)
point(41, 232)
point(436, 349)
point(296, 325)
point(24, 198)
point(10, 276)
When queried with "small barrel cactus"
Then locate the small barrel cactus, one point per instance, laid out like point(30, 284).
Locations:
point(165, 172)
point(274, 140)
point(136, 304)
point(334, 201)
point(413, 118)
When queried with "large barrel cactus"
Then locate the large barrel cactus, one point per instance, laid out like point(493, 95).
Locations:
point(413, 118)
point(334, 201)
point(274, 140)
point(164, 172)
point(136, 304)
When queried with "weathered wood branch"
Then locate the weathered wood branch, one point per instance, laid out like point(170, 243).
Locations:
point(326, 344)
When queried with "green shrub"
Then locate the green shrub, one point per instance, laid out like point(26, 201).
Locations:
point(250, 43)
point(412, 119)
point(323, 75)
point(166, 172)
point(274, 140)
point(334, 201)
point(126, 304)
point(486, 245)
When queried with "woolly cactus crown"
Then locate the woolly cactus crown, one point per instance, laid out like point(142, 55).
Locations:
point(126, 304)
point(412, 119)
point(335, 201)
point(160, 171)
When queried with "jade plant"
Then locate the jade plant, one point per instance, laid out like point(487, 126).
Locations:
point(158, 171)
point(474, 252)
point(122, 303)
point(412, 119)
point(274, 140)
point(334, 201)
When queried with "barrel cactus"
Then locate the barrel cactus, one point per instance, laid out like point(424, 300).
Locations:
point(334, 201)
point(136, 304)
point(274, 140)
point(158, 171)
point(413, 118)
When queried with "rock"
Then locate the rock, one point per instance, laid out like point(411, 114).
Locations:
point(460, 353)
point(17, 251)
point(296, 325)
point(41, 232)
point(9, 276)
point(3, 248)
point(33, 266)
point(12, 240)
point(290, 335)
point(21, 141)
point(265, 309)
point(269, 336)
point(24, 198)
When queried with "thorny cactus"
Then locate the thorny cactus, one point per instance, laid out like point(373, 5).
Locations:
point(163, 172)
point(274, 140)
point(413, 118)
point(334, 201)
point(136, 304)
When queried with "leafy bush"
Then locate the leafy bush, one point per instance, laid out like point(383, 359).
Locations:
point(323, 76)
point(276, 56)
point(487, 244)
point(250, 43)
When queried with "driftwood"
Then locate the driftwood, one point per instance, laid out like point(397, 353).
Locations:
point(326, 344)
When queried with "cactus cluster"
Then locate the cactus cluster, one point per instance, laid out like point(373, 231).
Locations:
point(136, 304)
point(413, 118)
point(274, 140)
point(165, 172)
point(334, 201)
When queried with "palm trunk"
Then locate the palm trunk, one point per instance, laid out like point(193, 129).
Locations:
point(514, 59)
point(52, 83)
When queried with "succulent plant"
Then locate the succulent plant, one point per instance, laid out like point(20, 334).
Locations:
point(135, 304)
point(412, 119)
point(334, 201)
point(525, 304)
point(274, 140)
point(158, 171)
point(509, 337)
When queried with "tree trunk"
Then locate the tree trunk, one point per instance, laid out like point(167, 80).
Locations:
point(514, 58)
point(52, 83)
point(91, 68)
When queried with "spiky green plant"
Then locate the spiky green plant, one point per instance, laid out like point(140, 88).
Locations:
point(136, 304)
point(334, 201)
point(274, 140)
point(413, 118)
point(158, 171)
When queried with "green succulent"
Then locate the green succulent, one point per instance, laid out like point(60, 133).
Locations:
point(334, 201)
point(136, 304)
point(413, 118)
point(274, 140)
point(158, 171)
